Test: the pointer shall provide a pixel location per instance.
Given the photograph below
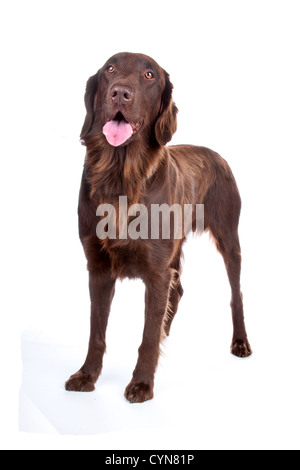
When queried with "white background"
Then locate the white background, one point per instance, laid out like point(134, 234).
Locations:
point(236, 72)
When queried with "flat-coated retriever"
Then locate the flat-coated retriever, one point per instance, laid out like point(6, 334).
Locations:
point(130, 117)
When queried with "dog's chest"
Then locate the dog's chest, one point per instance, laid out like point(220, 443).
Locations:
point(129, 258)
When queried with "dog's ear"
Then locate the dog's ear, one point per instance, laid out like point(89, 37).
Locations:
point(166, 123)
point(90, 98)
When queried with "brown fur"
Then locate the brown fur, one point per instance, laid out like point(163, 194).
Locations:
point(148, 172)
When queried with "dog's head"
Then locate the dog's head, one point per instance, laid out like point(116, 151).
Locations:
point(130, 98)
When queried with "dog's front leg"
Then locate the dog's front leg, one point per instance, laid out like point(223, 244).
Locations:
point(140, 388)
point(102, 289)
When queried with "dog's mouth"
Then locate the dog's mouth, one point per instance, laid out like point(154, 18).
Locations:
point(118, 130)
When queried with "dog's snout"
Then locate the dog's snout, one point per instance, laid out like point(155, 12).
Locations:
point(121, 94)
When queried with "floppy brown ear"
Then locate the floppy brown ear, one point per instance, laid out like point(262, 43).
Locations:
point(90, 104)
point(166, 123)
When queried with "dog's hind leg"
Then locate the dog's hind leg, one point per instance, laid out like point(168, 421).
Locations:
point(222, 213)
point(229, 247)
point(176, 292)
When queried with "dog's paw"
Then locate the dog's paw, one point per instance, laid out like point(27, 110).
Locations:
point(80, 382)
point(138, 392)
point(241, 348)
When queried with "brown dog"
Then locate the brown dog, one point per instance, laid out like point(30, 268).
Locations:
point(130, 118)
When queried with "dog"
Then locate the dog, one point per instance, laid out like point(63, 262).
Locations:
point(130, 117)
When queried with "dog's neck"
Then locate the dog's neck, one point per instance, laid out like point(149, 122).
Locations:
point(115, 171)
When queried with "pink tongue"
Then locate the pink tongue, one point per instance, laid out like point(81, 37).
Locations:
point(117, 132)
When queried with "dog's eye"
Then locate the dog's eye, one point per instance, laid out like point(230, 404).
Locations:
point(110, 69)
point(149, 75)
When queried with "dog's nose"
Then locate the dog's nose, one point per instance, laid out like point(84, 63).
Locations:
point(121, 94)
